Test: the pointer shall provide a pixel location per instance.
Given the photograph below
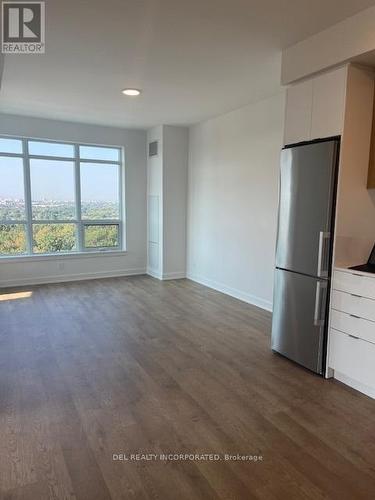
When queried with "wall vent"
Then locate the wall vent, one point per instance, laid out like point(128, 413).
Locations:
point(153, 148)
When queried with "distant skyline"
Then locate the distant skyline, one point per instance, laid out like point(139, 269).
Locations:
point(54, 180)
point(46, 200)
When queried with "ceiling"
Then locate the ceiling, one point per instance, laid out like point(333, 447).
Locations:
point(193, 59)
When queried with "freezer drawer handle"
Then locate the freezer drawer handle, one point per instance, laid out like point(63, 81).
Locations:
point(354, 316)
point(324, 239)
point(353, 337)
point(320, 286)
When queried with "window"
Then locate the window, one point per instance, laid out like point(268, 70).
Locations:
point(59, 197)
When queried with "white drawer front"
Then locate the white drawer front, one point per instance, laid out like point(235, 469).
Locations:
point(351, 304)
point(354, 358)
point(359, 327)
point(351, 282)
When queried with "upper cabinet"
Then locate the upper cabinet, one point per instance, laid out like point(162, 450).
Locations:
point(328, 104)
point(315, 107)
point(298, 112)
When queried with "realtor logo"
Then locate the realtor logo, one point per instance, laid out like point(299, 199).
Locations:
point(23, 27)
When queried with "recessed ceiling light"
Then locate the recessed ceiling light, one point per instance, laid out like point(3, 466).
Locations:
point(131, 92)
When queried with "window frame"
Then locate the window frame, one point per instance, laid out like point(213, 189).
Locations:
point(79, 223)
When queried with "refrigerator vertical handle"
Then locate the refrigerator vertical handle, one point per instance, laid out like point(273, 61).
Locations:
point(321, 286)
point(324, 238)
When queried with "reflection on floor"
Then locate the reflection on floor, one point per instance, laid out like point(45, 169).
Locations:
point(92, 370)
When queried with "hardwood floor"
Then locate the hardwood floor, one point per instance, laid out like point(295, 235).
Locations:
point(134, 365)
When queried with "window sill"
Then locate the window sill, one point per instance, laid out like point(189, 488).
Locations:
point(62, 256)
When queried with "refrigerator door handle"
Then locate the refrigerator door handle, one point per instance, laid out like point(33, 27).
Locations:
point(320, 287)
point(324, 238)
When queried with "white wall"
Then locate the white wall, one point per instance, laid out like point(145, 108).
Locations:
point(39, 269)
point(233, 199)
point(175, 155)
point(167, 193)
point(155, 205)
point(355, 211)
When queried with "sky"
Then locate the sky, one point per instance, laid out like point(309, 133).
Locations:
point(54, 179)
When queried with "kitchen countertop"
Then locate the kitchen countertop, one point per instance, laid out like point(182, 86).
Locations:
point(344, 267)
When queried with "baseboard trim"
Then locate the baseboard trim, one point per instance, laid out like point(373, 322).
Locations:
point(237, 294)
point(166, 276)
point(174, 276)
point(358, 386)
point(154, 274)
point(71, 277)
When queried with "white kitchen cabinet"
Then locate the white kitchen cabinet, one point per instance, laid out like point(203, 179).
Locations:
point(354, 358)
point(355, 282)
point(352, 324)
point(352, 330)
point(328, 104)
point(356, 305)
point(315, 107)
point(298, 112)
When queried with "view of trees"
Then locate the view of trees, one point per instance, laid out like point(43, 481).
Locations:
point(101, 236)
point(54, 237)
point(49, 238)
point(12, 239)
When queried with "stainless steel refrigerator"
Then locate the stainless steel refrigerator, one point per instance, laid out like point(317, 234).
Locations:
point(304, 248)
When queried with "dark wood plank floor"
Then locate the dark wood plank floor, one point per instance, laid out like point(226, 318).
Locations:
point(133, 365)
